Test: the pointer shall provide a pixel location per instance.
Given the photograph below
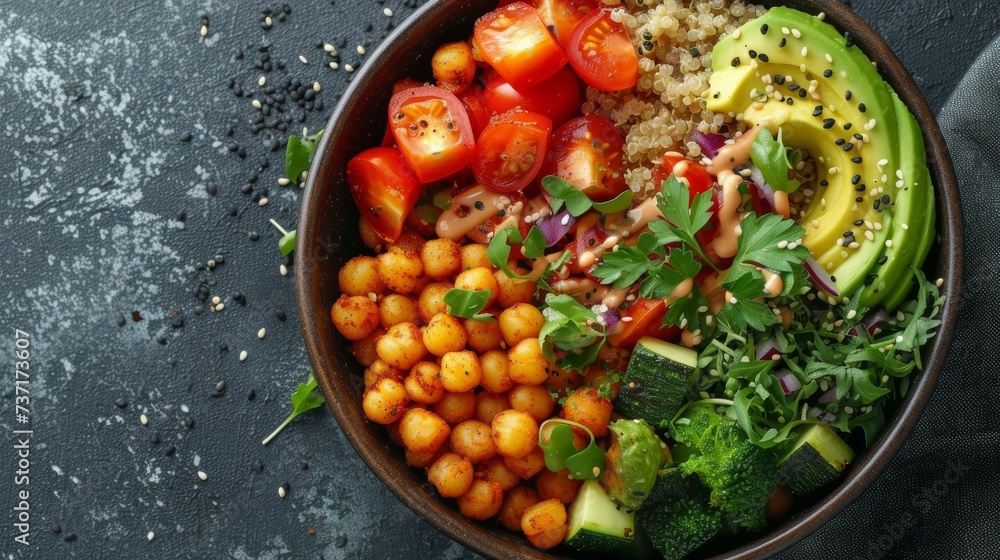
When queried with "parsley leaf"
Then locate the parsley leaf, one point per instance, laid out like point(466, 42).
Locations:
point(563, 192)
point(619, 203)
point(468, 304)
point(622, 266)
point(298, 155)
point(534, 243)
point(498, 250)
point(759, 239)
point(304, 398)
point(685, 217)
point(771, 158)
point(742, 310)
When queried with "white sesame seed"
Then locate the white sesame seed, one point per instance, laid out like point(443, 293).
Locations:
point(329, 48)
point(243, 355)
point(852, 314)
point(204, 30)
point(869, 235)
point(316, 87)
point(267, 21)
point(256, 104)
point(785, 31)
point(782, 244)
point(143, 419)
point(281, 492)
point(805, 51)
point(829, 58)
point(283, 181)
point(303, 60)
point(904, 226)
point(899, 339)
point(848, 410)
point(202, 475)
point(373, 296)
point(939, 282)
point(150, 536)
point(387, 12)
point(796, 33)
point(261, 333)
point(261, 81)
point(220, 307)
point(348, 68)
point(216, 300)
point(361, 50)
point(262, 202)
point(821, 16)
point(170, 99)
point(888, 242)
point(283, 270)
point(736, 34)
point(334, 66)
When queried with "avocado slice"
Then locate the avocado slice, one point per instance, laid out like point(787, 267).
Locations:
point(791, 71)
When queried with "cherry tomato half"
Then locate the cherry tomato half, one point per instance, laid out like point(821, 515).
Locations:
point(432, 131)
point(644, 319)
point(587, 151)
point(558, 97)
point(515, 42)
point(699, 181)
point(511, 150)
point(601, 52)
point(474, 101)
point(384, 188)
point(389, 141)
point(561, 16)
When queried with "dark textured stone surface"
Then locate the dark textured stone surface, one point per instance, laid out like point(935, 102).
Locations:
point(120, 186)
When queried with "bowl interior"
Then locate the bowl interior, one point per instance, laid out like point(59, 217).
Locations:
point(328, 237)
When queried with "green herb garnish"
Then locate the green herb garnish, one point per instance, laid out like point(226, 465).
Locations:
point(287, 242)
point(771, 158)
point(299, 153)
point(305, 398)
point(563, 192)
point(560, 453)
point(574, 329)
point(498, 251)
point(468, 304)
point(534, 243)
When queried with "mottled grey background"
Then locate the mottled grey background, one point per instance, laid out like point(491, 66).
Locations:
point(105, 211)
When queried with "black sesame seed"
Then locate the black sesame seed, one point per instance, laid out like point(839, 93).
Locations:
point(840, 141)
point(233, 146)
point(860, 188)
point(885, 199)
point(870, 278)
point(648, 46)
point(154, 439)
point(254, 236)
point(862, 108)
point(818, 111)
point(120, 320)
point(220, 386)
point(479, 205)
point(189, 422)
point(304, 465)
point(782, 43)
point(848, 95)
point(56, 528)
point(280, 314)
point(251, 395)
point(752, 53)
point(849, 39)
point(735, 62)
point(849, 146)
point(121, 403)
point(859, 137)
point(763, 29)
point(859, 199)
point(170, 451)
point(779, 79)
point(856, 159)
point(828, 123)
point(789, 100)
point(793, 87)
point(827, 73)
point(70, 537)
point(883, 259)
point(186, 137)
point(848, 234)
point(856, 179)
point(859, 222)
point(803, 93)
point(824, 183)
point(211, 189)
point(876, 204)
point(246, 189)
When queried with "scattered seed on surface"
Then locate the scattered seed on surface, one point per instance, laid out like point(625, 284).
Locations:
point(281, 492)
point(262, 81)
point(243, 355)
point(334, 65)
point(256, 104)
point(216, 300)
point(220, 386)
point(150, 535)
point(283, 181)
point(316, 87)
point(143, 419)
point(121, 403)
point(267, 21)
point(262, 202)
point(361, 50)
point(283, 270)
point(348, 68)
point(202, 475)
point(939, 282)
point(204, 31)
point(303, 60)
point(329, 48)
point(261, 333)
point(387, 12)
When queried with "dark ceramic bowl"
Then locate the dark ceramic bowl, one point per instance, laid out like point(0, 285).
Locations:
point(328, 237)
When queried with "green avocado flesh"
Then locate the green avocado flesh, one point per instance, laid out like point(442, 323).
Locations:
point(871, 217)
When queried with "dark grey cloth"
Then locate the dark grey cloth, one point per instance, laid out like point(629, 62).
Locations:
point(940, 497)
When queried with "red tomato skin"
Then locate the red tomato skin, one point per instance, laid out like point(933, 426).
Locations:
point(562, 16)
point(699, 181)
point(431, 163)
point(598, 171)
point(384, 189)
point(646, 318)
point(506, 132)
point(513, 39)
point(474, 101)
point(558, 97)
point(607, 71)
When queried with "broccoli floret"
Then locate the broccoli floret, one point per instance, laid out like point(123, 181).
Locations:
point(739, 474)
point(678, 517)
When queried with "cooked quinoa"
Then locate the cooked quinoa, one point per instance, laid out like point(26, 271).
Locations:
point(674, 39)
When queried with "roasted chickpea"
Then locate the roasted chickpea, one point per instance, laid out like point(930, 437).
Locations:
point(385, 400)
point(422, 430)
point(402, 346)
point(527, 466)
point(520, 322)
point(483, 335)
point(400, 269)
point(494, 468)
point(532, 399)
point(474, 256)
point(479, 278)
point(359, 277)
point(557, 485)
point(441, 258)
point(526, 364)
point(397, 308)
point(431, 301)
point(489, 405)
point(473, 439)
point(371, 239)
point(562, 382)
point(586, 406)
point(514, 290)
point(444, 334)
point(379, 369)
point(354, 316)
point(515, 433)
point(460, 371)
point(496, 371)
point(545, 523)
point(364, 350)
point(597, 377)
point(453, 66)
point(515, 502)
point(456, 408)
point(451, 474)
point(423, 460)
point(409, 240)
point(423, 384)
point(482, 501)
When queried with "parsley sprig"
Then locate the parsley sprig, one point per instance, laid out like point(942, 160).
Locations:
point(305, 398)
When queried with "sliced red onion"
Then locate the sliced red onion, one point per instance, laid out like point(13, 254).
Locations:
point(764, 192)
point(819, 277)
point(767, 350)
point(875, 321)
point(829, 396)
point(710, 144)
point(556, 226)
point(789, 383)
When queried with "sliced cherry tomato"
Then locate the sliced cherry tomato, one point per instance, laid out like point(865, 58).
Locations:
point(474, 101)
point(384, 188)
point(561, 16)
point(590, 233)
point(511, 150)
point(601, 52)
point(699, 181)
point(587, 151)
point(515, 41)
point(432, 131)
point(558, 97)
point(389, 141)
point(644, 317)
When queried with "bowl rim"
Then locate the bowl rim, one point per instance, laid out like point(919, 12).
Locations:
point(482, 538)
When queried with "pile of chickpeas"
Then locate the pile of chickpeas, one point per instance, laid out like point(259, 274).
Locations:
point(464, 397)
